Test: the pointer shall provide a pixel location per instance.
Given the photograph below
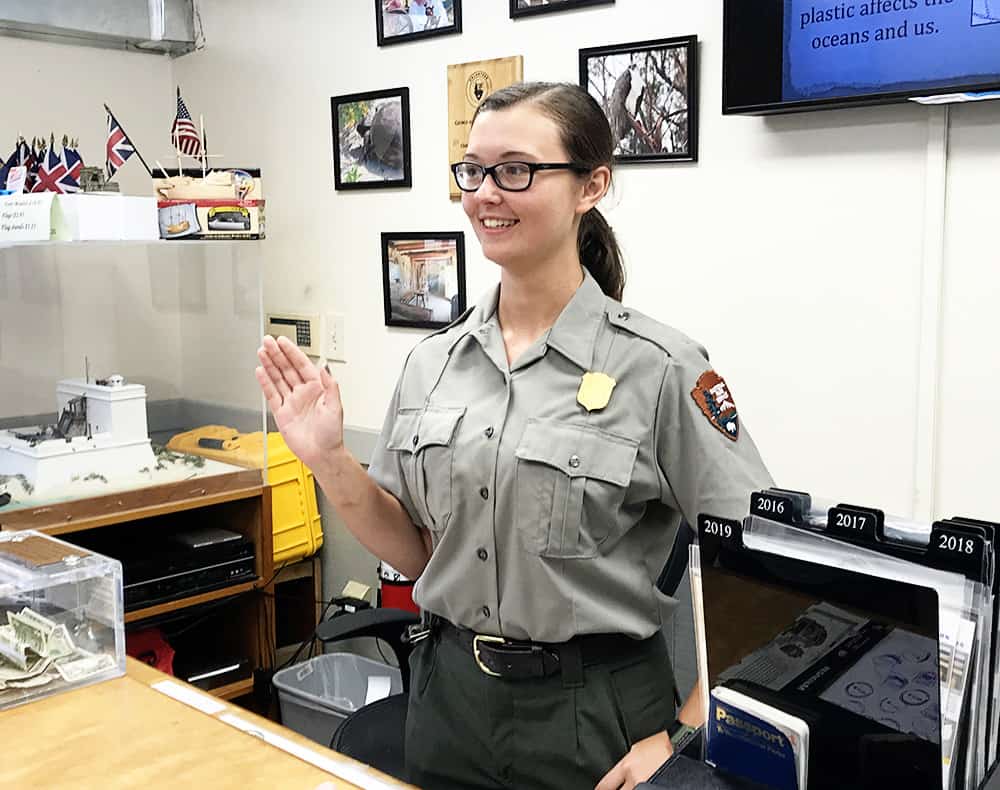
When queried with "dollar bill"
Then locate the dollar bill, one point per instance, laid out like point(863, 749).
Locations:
point(43, 624)
point(39, 680)
point(11, 648)
point(60, 643)
point(29, 633)
point(77, 670)
point(36, 667)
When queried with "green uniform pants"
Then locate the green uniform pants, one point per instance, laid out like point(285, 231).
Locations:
point(466, 729)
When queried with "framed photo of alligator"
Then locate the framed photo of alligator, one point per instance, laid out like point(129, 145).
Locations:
point(423, 278)
point(371, 139)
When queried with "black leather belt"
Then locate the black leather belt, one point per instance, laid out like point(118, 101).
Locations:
point(514, 659)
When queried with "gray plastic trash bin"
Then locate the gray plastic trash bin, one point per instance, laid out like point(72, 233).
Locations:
point(318, 694)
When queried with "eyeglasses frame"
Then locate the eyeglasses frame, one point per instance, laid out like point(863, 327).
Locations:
point(533, 167)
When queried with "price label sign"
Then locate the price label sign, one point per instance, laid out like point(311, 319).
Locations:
point(26, 217)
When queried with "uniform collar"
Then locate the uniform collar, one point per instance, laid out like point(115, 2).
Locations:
point(575, 331)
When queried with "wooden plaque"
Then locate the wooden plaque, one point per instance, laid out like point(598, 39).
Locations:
point(468, 85)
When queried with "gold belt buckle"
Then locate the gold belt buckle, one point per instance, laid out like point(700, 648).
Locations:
point(475, 652)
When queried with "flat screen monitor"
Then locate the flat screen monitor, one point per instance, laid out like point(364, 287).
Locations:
point(793, 55)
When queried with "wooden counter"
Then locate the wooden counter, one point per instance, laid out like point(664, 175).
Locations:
point(122, 733)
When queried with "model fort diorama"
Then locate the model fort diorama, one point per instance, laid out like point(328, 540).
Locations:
point(190, 203)
point(99, 444)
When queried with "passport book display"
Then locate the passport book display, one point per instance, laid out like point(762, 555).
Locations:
point(847, 648)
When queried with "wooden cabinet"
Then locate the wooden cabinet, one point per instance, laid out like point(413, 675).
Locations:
point(236, 619)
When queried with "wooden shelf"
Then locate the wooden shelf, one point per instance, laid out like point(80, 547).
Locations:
point(233, 690)
point(74, 516)
point(192, 600)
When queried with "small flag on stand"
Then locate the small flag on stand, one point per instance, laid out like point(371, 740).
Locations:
point(119, 147)
point(24, 156)
point(71, 158)
point(184, 133)
point(51, 171)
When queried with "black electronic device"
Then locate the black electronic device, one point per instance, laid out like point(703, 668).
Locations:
point(187, 563)
point(792, 55)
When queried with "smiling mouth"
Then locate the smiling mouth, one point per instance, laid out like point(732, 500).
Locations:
point(499, 224)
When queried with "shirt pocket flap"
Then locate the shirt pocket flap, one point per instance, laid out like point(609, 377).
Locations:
point(437, 426)
point(404, 435)
point(579, 451)
point(415, 429)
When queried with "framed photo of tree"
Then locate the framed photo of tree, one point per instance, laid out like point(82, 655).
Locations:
point(649, 91)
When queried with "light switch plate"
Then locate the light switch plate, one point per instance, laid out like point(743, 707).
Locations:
point(334, 339)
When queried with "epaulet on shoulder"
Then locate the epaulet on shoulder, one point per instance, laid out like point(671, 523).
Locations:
point(670, 340)
point(444, 330)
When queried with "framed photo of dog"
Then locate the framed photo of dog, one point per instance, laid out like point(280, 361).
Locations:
point(649, 91)
point(423, 278)
point(371, 139)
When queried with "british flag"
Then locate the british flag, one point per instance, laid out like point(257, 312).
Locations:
point(119, 147)
point(73, 162)
point(184, 134)
point(51, 171)
point(24, 156)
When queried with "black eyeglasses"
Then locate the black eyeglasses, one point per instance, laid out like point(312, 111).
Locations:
point(508, 176)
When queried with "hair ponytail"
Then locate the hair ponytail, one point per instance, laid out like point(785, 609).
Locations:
point(586, 136)
point(599, 252)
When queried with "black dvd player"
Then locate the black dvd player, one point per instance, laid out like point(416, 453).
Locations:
point(186, 563)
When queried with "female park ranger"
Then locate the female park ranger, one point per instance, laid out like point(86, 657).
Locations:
point(536, 460)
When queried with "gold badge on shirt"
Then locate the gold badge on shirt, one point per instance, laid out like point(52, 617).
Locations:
point(595, 390)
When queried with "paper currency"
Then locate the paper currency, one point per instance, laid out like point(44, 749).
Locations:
point(37, 667)
point(29, 633)
point(60, 643)
point(11, 648)
point(78, 669)
point(39, 680)
point(43, 624)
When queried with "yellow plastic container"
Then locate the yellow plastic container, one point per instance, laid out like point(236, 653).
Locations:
point(298, 530)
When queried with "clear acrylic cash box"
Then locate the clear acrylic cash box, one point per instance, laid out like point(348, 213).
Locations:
point(61, 617)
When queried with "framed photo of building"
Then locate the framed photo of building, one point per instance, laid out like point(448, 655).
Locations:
point(371, 139)
point(423, 278)
point(649, 91)
point(398, 21)
point(520, 8)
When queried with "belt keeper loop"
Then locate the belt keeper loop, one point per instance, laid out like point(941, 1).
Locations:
point(571, 664)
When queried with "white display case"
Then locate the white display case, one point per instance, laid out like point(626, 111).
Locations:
point(61, 617)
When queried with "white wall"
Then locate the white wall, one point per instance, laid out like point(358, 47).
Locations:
point(795, 250)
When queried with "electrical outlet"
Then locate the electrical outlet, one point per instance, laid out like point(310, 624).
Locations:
point(334, 342)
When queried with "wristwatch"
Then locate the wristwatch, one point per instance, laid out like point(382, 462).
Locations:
point(680, 732)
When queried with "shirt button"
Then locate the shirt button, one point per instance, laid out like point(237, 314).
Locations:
point(574, 461)
point(489, 432)
point(486, 611)
point(415, 440)
point(623, 315)
point(484, 492)
point(482, 554)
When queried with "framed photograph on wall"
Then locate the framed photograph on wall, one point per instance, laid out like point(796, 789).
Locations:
point(533, 7)
point(423, 278)
point(371, 139)
point(649, 91)
point(397, 21)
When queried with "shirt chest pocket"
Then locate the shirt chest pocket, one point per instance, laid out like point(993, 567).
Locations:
point(570, 484)
point(425, 441)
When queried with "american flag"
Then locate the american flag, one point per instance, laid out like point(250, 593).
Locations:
point(118, 148)
point(24, 156)
point(184, 134)
point(51, 171)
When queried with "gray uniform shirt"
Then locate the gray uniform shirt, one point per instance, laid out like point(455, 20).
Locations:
point(549, 520)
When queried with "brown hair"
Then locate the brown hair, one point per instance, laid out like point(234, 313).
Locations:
point(586, 136)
